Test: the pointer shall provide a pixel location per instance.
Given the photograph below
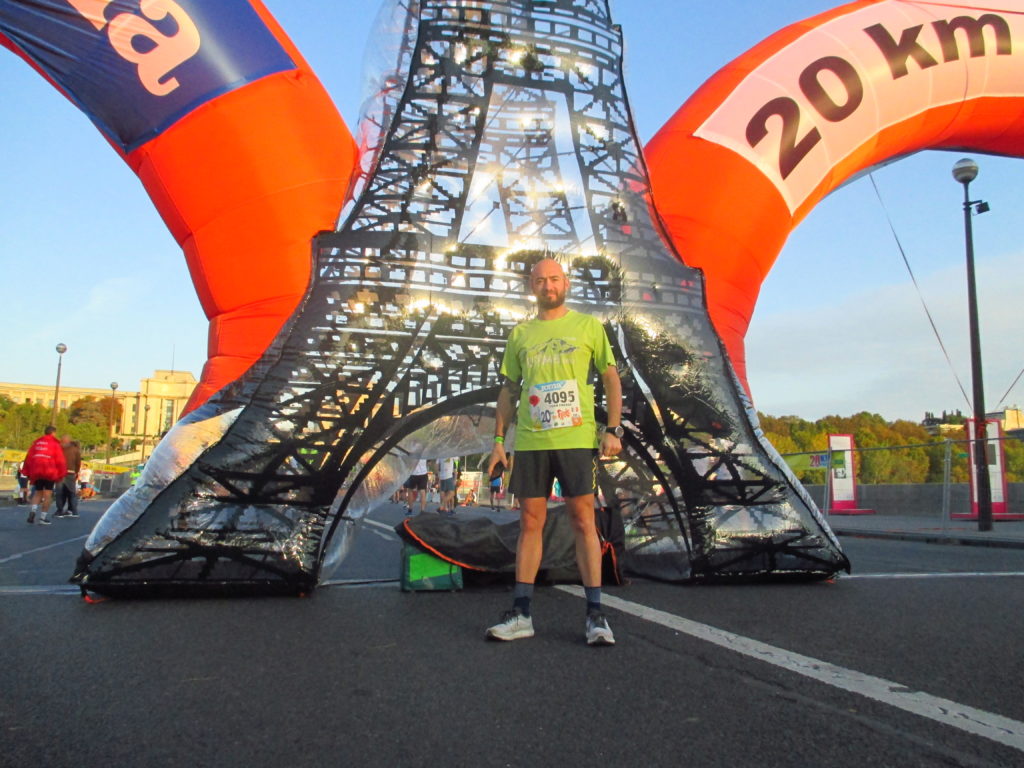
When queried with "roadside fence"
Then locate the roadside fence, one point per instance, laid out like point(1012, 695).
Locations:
point(922, 479)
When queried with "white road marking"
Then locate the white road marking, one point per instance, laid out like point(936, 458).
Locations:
point(358, 582)
point(41, 549)
point(975, 721)
point(41, 589)
point(942, 575)
point(383, 526)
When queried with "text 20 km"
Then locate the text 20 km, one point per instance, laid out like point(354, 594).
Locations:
point(794, 148)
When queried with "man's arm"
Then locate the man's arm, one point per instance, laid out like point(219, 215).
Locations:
point(508, 397)
point(610, 444)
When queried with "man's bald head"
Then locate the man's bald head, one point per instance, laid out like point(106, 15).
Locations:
point(549, 284)
point(547, 266)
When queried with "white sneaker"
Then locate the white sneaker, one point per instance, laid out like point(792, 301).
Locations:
point(513, 626)
point(598, 631)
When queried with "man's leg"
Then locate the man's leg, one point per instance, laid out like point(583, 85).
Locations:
point(33, 501)
point(44, 505)
point(518, 622)
point(588, 559)
point(588, 544)
point(530, 548)
point(72, 500)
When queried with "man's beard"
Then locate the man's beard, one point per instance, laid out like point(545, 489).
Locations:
point(545, 301)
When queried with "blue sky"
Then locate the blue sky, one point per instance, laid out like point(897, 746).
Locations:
point(838, 329)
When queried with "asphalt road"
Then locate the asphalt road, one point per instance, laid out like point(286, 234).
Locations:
point(915, 660)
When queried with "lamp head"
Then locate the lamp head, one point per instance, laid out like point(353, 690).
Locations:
point(61, 349)
point(965, 170)
point(113, 385)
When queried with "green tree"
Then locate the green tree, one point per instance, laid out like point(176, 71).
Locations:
point(22, 424)
point(919, 464)
point(1014, 460)
point(86, 410)
point(89, 436)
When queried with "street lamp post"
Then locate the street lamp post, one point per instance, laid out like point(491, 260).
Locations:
point(61, 349)
point(110, 417)
point(965, 171)
point(145, 429)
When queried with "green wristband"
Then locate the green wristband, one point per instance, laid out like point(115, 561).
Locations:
point(499, 439)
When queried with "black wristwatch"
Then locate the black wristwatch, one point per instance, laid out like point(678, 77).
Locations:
point(617, 431)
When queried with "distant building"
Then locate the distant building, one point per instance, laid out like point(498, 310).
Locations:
point(949, 424)
point(952, 424)
point(1012, 420)
point(150, 411)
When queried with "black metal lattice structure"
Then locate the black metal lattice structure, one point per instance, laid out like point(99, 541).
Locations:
point(507, 138)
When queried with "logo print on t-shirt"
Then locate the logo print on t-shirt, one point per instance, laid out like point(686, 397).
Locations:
point(551, 352)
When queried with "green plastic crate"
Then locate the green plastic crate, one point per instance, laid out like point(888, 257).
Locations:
point(424, 572)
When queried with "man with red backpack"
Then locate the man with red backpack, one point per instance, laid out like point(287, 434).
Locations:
point(44, 466)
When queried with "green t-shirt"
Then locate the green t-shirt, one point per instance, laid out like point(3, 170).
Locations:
point(552, 359)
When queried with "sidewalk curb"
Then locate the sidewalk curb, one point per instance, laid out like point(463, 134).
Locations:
point(954, 538)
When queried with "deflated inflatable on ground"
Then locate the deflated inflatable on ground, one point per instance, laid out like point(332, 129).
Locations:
point(500, 134)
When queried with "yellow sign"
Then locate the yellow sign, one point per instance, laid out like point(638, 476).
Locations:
point(7, 454)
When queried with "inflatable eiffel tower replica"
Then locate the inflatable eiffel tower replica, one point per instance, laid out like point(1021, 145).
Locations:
point(501, 135)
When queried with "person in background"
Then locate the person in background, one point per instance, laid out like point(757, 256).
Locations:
point(22, 484)
point(417, 487)
point(44, 466)
point(446, 476)
point(85, 488)
point(66, 492)
point(495, 486)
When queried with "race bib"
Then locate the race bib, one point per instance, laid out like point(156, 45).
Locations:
point(554, 405)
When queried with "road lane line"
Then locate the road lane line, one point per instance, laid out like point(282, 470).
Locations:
point(383, 526)
point(942, 575)
point(975, 721)
point(358, 582)
point(41, 589)
point(41, 549)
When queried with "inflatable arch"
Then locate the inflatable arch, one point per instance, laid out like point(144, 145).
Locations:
point(232, 135)
point(386, 352)
point(816, 104)
point(782, 125)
